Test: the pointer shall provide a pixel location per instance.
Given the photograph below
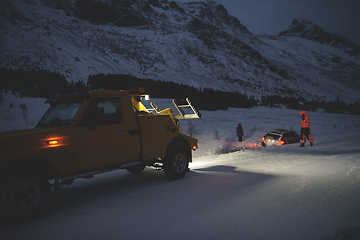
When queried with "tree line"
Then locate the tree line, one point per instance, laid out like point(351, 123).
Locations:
point(210, 99)
point(48, 84)
point(203, 98)
point(336, 106)
point(36, 83)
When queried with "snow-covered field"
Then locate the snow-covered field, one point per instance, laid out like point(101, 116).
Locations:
point(282, 192)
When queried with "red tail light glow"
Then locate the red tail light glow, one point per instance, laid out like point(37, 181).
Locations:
point(281, 142)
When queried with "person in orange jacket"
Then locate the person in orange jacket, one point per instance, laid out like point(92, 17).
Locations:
point(305, 129)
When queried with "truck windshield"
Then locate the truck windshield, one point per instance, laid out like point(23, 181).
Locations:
point(60, 114)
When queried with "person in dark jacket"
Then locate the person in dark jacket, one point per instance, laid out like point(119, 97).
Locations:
point(239, 132)
point(305, 129)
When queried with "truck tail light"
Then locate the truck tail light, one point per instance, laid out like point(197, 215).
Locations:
point(282, 142)
point(263, 139)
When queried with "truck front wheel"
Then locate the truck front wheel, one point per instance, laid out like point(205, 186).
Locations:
point(22, 198)
point(176, 162)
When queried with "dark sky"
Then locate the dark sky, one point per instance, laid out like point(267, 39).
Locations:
point(274, 16)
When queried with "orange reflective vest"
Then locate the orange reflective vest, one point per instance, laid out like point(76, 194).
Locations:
point(305, 123)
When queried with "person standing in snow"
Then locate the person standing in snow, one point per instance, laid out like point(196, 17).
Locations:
point(239, 132)
point(305, 129)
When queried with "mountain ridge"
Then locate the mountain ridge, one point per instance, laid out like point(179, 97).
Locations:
point(308, 30)
point(198, 44)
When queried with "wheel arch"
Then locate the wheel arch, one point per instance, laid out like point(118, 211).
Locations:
point(179, 142)
point(179, 139)
point(38, 165)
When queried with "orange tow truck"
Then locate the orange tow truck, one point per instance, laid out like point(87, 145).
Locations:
point(88, 133)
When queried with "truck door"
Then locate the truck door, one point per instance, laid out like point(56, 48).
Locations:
point(101, 138)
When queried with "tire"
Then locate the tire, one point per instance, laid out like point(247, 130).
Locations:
point(136, 168)
point(176, 161)
point(22, 198)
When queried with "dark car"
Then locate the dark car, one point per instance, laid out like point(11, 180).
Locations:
point(280, 137)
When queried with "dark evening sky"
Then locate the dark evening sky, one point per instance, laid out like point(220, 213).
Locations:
point(274, 16)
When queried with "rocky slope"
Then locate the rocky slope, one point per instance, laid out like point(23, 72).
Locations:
point(196, 43)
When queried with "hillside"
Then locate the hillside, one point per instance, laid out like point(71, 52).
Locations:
point(197, 43)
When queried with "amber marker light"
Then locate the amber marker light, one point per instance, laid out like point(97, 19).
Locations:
point(194, 147)
point(53, 142)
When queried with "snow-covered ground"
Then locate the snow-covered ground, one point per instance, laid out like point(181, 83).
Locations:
point(282, 192)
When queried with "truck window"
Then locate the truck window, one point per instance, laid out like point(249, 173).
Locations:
point(60, 114)
point(102, 111)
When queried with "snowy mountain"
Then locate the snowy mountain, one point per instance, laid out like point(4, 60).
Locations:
point(195, 43)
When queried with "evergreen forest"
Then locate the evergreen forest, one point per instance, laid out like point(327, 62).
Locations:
point(48, 84)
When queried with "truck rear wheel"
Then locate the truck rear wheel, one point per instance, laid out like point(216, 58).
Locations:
point(22, 198)
point(176, 162)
